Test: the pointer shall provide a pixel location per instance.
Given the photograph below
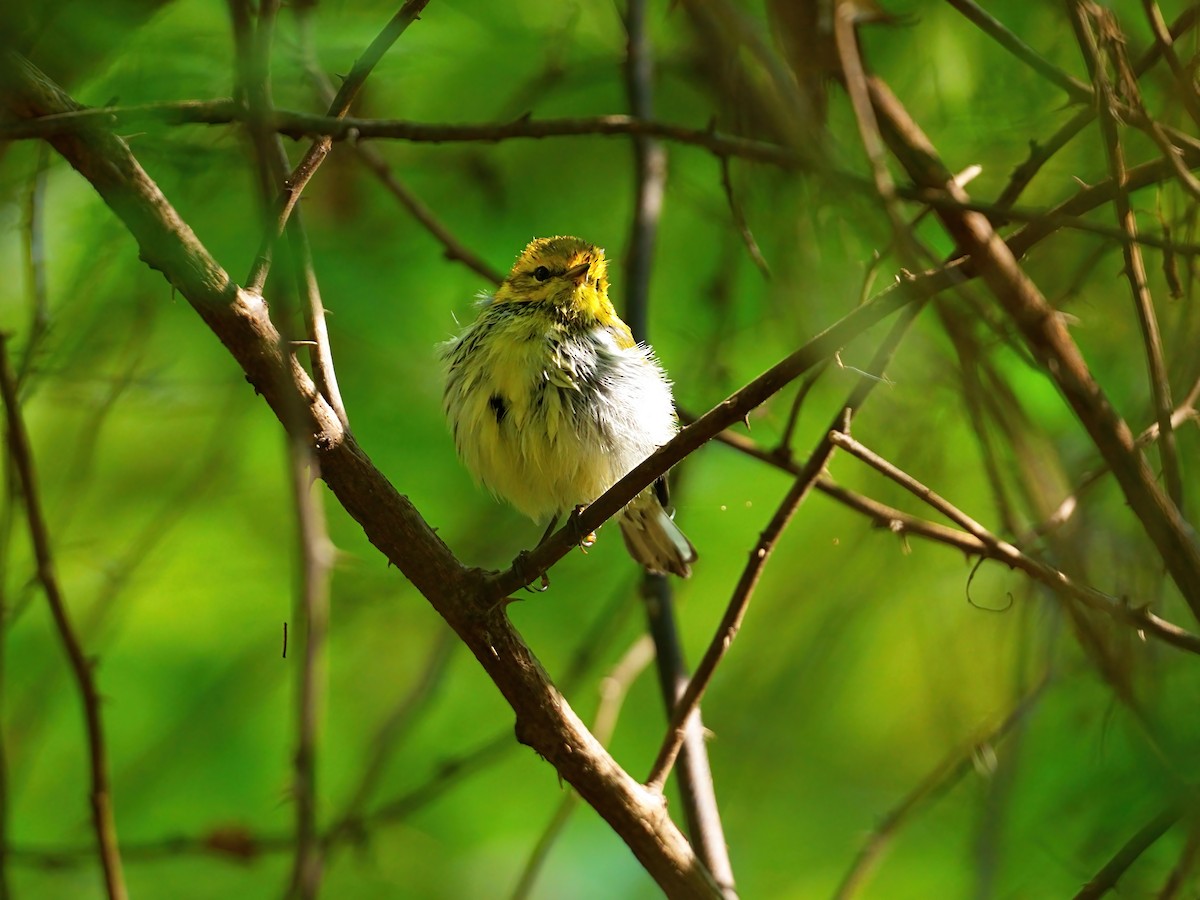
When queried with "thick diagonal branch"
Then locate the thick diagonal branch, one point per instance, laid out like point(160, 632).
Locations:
point(460, 595)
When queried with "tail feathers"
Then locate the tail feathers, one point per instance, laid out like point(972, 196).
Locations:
point(654, 540)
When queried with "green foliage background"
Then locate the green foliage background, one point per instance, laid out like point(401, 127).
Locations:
point(861, 666)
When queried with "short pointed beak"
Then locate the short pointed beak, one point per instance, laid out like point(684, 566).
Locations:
point(579, 273)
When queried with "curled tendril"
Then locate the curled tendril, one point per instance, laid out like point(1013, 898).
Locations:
point(991, 609)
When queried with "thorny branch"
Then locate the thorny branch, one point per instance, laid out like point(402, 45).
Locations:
point(460, 595)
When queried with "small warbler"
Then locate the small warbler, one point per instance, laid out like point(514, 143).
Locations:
point(551, 400)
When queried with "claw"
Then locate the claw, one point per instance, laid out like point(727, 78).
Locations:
point(542, 587)
point(521, 566)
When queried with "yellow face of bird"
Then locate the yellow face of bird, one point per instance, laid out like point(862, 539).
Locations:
point(565, 271)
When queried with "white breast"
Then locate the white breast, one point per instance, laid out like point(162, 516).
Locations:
point(579, 413)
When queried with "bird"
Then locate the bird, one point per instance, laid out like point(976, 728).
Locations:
point(551, 401)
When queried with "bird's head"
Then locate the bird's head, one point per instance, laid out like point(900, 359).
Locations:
point(567, 272)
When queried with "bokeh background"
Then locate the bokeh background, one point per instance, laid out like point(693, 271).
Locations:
point(866, 666)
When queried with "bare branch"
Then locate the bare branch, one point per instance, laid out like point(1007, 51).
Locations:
point(1165, 43)
point(1135, 269)
point(300, 124)
point(739, 220)
point(1039, 155)
point(1106, 879)
point(35, 266)
point(1182, 870)
point(103, 821)
point(696, 789)
point(948, 772)
point(731, 622)
point(311, 614)
point(307, 167)
point(374, 161)
point(845, 15)
point(1048, 338)
point(993, 28)
point(1140, 617)
point(998, 213)
point(462, 596)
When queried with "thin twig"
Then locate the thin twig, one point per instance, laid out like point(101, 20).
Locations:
point(1180, 872)
point(254, 84)
point(999, 213)
point(904, 524)
point(845, 16)
point(311, 617)
point(298, 124)
point(958, 326)
point(28, 718)
point(1006, 552)
point(650, 171)
point(369, 156)
point(374, 161)
point(697, 792)
point(35, 265)
point(1077, 89)
point(1047, 336)
point(696, 789)
point(1135, 269)
point(1165, 43)
point(947, 773)
point(394, 728)
point(739, 220)
point(993, 28)
point(881, 515)
point(1039, 155)
point(319, 149)
point(103, 820)
point(1185, 412)
point(784, 447)
point(34, 257)
point(735, 611)
point(1108, 876)
point(806, 478)
point(8, 495)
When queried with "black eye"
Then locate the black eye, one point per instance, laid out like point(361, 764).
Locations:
point(541, 273)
